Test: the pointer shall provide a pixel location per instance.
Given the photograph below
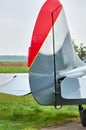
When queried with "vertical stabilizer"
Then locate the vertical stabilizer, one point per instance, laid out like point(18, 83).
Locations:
point(41, 60)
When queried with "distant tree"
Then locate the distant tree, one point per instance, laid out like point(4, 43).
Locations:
point(81, 51)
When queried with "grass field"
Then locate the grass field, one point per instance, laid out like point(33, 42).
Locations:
point(23, 113)
point(13, 67)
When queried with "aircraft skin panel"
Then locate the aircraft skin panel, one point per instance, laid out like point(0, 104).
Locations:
point(42, 88)
point(5, 78)
point(60, 32)
point(73, 88)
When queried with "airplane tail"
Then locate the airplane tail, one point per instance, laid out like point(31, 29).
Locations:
point(51, 51)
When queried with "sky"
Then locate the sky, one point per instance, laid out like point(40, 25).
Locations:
point(17, 19)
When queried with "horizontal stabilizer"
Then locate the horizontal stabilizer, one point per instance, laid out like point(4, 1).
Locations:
point(14, 84)
point(74, 88)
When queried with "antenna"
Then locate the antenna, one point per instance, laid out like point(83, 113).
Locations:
point(55, 82)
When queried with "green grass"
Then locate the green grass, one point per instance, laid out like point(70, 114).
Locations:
point(23, 113)
point(13, 69)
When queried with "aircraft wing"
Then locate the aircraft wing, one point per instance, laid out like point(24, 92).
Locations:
point(15, 84)
point(74, 88)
